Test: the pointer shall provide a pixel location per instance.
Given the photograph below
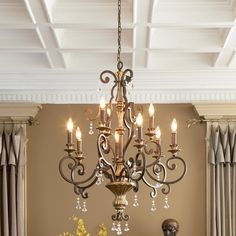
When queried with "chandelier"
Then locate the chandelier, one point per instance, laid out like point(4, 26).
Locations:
point(147, 165)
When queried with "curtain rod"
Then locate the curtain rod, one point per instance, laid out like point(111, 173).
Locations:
point(203, 120)
point(31, 121)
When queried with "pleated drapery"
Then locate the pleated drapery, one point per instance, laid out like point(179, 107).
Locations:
point(12, 171)
point(222, 158)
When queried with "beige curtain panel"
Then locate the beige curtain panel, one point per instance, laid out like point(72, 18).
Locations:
point(222, 157)
point(12, 166)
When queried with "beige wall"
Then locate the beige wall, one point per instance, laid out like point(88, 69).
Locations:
point(51, 201)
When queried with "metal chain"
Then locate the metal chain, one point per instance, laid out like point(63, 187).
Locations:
point(119, 62)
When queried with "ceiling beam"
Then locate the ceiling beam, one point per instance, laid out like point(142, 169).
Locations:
point(141, 34)
point(45, 34)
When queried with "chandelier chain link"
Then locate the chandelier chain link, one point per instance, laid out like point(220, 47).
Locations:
point(119, 63)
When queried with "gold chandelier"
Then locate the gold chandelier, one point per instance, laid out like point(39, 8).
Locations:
point(147, 165)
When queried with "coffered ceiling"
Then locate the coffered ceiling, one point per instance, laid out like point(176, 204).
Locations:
point(52, 51)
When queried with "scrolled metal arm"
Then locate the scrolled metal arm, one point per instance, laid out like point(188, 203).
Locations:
point(104, 147)
point(75, 167)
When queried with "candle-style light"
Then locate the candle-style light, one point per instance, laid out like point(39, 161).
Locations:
point(103, 110)
point(158, 133)
point(151, 112)
point(139, 122)
point(117, 146)
point(70, 127)
point(79, 139)
point(109, 116)
point(174, 131)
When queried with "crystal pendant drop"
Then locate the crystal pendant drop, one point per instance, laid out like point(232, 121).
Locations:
point(158, 185)
point(78, 206)
point(166, 205)
point(135, 204)
point(126, 226)
point(91, 132)
point(114, 228)
point(131, 88)
point(84, 209)
point(118, 229)
point(153, 208)
point(99, 86)
point(100, 178)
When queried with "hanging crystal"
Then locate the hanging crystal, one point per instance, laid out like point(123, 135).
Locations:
point(78, 206)
point(135, 204)
point(126, 226)
point(166, 205)
point(118, 229)
point(100, 178)
point(99, 86)
point(91, 132)
point(84, 209)
point(114, 228)
point(158, 185)
point(153, 208)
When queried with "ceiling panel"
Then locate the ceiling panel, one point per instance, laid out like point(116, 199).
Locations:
point(93, 38)
point(19, 38)
point(14, 11)
point(94, 61)
point(186, 38)
point(22, 61)
point(168, 43)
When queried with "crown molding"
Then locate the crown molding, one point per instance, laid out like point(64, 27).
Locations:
point(139, 96)
point(216, 111)
point(17, 110)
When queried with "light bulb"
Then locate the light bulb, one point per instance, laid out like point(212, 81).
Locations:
point(117, 137)
point(102, 103)
point(70, 125)
point(151, 110)
point(174, 126)
point(139, 120)
point(78, 134)
point(109, 112)
point(158, 132)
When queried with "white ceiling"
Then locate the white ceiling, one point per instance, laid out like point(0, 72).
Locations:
point(52, 51)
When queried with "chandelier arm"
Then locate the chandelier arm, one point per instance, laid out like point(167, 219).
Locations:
point(89, 114)
point(141, 170)
point(153, 193)
point(173, 167)
point(71, 167)
point(107, 174)
point(81, 190)
point(112, 94)
point(71, 180)
point(157, 160)
point(102, 138)
point(106, 76)
point(165, 189)
point(127, 76)
point(156, 152)
point(124, 94)
point(129, 123)
point(135, 186)
point(155, 179)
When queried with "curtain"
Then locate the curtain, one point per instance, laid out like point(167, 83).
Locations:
point(222, 158)
point(12, 171)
